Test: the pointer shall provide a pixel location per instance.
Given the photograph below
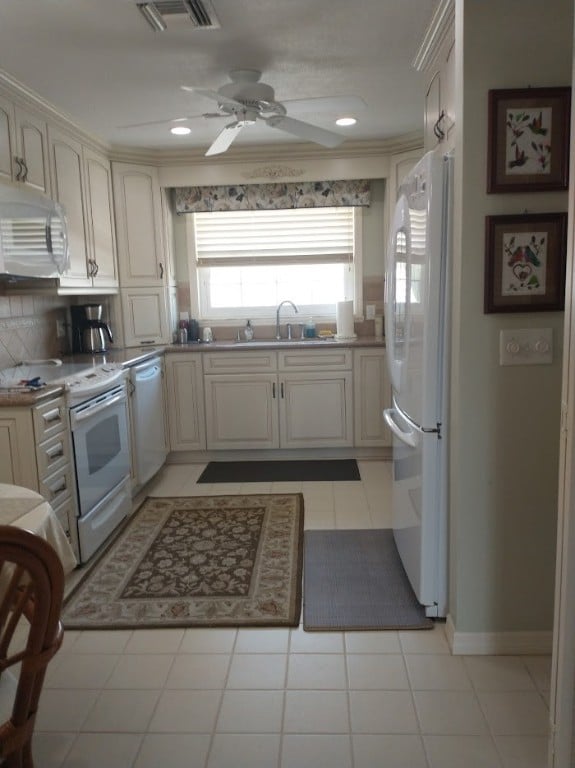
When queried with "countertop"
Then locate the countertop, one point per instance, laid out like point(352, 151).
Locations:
point(316, 343)
point(130, 356)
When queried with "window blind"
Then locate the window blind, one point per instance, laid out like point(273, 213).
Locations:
point(300, 236)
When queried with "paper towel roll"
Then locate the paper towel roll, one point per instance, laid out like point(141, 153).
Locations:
point(344, 320)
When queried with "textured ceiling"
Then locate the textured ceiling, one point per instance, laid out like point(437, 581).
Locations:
point(101, 63)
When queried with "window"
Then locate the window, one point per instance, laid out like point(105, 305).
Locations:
point(245, 262)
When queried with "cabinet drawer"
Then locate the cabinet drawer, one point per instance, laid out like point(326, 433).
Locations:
point(65, 512)
point(57, 486)
point(49, 419)
point(240, 362)
point(315, 360)
point(53, 454)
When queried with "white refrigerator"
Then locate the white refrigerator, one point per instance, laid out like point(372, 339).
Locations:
point(417, 345)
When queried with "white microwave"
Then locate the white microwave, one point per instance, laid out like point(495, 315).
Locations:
point(33, 233)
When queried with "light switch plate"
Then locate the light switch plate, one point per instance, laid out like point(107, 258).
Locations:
point(370, 312)
point(526, 346)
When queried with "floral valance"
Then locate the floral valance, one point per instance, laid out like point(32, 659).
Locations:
point(246, 197)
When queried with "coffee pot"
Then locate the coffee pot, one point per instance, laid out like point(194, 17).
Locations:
point(90, 333)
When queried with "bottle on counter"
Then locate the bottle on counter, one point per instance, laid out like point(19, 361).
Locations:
point(309, 330)
point(194, 331)
point(248, 331)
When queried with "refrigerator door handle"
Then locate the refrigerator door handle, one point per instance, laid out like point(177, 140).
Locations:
point(409, 438)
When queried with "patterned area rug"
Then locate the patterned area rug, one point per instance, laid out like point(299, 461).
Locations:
point(211, 561)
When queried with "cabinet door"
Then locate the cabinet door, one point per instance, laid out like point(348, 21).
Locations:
point(316, 410)
point(68, 188)
point(139, 225)
point(372, 394)
point(241, 411)
point(32, 146)
point(185, 399)
point(145, 315)
point(17, 450)
point(432, 108)
point(100, 219)
point(7, 140)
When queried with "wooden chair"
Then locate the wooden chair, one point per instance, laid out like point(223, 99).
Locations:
point(31, 593)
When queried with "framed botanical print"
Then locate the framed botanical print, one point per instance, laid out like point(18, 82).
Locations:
point(528, 140)
point(525, 262)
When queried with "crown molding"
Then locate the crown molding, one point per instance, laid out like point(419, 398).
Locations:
point(441, 25)
point(26, 98)
point(270, 155)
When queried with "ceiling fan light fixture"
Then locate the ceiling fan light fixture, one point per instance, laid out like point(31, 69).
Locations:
point(152, 16)
point(345, 122)
point(180, 130)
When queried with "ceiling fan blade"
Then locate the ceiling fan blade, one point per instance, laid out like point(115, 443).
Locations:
point(213, 95)
point(305, 130)
point(336, 105)
point(224, 139)
point(174, 120)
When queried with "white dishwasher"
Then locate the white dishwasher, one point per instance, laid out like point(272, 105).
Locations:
point(148, 423)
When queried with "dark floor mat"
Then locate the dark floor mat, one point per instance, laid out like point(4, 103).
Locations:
point(355, 580)
point(279, 471)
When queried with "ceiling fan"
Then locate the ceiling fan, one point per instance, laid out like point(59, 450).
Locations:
point(246, 100)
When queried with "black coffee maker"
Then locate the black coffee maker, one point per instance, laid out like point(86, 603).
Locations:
point(89, 333)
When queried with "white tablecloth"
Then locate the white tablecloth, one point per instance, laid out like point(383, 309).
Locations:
point(27, 509)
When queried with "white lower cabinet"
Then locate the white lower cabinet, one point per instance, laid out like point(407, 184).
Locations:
point(35, 452)
point(185, 400)
point(372, 394)
point(291, 399)
point(315, 410)
point(242, 411)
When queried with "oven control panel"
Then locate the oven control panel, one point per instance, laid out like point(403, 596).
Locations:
point(94, 381)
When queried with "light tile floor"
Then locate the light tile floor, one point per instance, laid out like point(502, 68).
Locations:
point(280, 698)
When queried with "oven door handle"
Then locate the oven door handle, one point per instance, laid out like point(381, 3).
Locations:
point(98, 407)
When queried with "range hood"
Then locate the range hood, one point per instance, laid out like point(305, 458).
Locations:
point(33, 234)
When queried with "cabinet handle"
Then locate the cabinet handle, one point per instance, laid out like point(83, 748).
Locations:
point(51, 416)
point(20, 169)
point(439, 132)
point(25, 170)
point(55, 451)
point(161, 271)
point(282, 390)
point(95, 268)
point(58, 487)
point(273, 390)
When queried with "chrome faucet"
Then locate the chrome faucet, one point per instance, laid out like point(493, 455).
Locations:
point(280, 305)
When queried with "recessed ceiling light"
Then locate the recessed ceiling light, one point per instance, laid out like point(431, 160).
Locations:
point(344, 121)
point(180, 130)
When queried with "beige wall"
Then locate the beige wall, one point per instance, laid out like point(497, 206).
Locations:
point(504, 420)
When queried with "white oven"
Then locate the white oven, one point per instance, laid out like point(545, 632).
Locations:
point(101, 448)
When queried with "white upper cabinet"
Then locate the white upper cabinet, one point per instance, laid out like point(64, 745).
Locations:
point(100, 220)
point(81, 182)
point(31, 155)
point(7, 139)
point(23, 147)
point(67, 181)
point(139, 224)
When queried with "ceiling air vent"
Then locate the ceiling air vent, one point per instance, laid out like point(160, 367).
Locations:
point(199, 12)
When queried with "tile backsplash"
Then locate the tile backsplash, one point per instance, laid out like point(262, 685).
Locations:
point(28, 328)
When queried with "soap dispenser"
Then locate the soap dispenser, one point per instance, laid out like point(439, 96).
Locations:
point(248, 331)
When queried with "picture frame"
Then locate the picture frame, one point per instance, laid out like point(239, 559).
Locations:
point(525, 257)
point(528, 139)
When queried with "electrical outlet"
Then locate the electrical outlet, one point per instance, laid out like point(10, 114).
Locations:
point(60, 329)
